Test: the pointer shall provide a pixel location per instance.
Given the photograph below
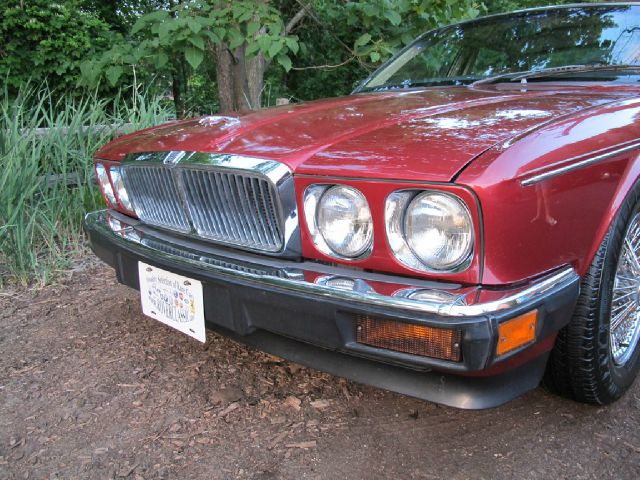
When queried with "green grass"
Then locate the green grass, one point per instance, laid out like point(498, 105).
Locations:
point(40, 219)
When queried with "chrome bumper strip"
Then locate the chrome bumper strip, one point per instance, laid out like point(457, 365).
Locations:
point(124, 232)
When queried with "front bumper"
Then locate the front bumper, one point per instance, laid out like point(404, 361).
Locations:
point(286, 308)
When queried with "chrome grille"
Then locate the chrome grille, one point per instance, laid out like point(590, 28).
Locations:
point(233, 208)
point(223, 205)
point(155, 196)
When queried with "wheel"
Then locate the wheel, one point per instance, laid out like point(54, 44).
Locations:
point(596, 357)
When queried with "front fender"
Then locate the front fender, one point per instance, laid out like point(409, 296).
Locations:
point(548, 199)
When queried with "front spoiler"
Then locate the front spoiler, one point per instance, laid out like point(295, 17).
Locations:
point(287, 309)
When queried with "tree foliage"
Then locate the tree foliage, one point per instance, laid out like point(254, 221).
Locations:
point(44, 40)
point(391, 24)
point(193, 29)
point(219, 54)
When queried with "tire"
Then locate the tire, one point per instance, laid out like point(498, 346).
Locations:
point(589, 363)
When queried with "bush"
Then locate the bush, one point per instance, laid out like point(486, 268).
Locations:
point(46, 175)
point(44, 40)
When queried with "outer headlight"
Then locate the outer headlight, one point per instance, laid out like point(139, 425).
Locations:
point(121, 191)
point(430, 230)
point(105, 184)
point(339, 220)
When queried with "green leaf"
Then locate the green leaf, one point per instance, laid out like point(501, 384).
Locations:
point(194, 25)
point(292, 44)
point(238, 9)
point(156, 16)
point(245, 16)
point(252, 49)
point(113, 73)
point(393, 17)
point(139, 25)
point(236, 39)
point(275, 29)
point(264, 42)
point(164, 31)
point(374, 56)
point(406, 38)
point(274, 49)
point(363, 39)
point(194, 56)
point(89, 72)
point(197, 42)
point(161, 60)
point(212, 36)
point(252, 28)
point(285, 62)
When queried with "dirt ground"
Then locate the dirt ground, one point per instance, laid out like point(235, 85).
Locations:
point(90, 388)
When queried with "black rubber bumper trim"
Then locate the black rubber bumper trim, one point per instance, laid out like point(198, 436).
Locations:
point(458, 391)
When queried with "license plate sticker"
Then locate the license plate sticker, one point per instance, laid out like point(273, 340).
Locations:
point(173, 300)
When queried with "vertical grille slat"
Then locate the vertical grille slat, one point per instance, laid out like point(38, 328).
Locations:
point(246, 210)
point(255, 200)
point(156, 197)
point(212, 217)
point(225, 209)
point(221, 206)
point(266, 210)
point(231, 200)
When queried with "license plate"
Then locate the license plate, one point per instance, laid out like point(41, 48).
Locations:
point(173, 300)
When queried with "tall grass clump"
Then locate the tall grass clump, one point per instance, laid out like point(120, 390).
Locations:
point(47, 141)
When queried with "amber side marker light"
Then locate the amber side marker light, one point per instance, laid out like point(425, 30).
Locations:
point(403, 337)
point(517, 332)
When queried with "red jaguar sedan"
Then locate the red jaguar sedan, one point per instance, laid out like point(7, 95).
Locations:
point(462, 227)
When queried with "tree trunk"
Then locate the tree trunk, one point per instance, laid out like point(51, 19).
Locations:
point(240, 85)
point(241, 80)
point(224, 77)
point(255, 69)
point(176, 88)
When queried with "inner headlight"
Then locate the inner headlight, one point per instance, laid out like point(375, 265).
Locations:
point(430, 230)
point(339, 220)
point(120, 190)
point(105, 184)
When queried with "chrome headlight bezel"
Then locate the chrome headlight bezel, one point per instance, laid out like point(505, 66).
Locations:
point(105, 184)
point(120, 189)
point(312, 203)
point(397, 207)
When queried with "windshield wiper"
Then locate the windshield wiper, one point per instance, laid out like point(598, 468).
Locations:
point(553, 71)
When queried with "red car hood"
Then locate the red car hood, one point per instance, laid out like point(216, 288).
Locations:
point(427, 135)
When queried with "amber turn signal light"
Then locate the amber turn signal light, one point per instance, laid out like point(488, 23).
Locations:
point(517, 332)
point(409, 338)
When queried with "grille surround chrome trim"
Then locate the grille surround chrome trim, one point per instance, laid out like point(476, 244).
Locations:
point(274, 175)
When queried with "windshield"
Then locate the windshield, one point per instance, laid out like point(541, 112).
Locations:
point(521, 42)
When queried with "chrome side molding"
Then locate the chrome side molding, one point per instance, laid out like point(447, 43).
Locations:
point(580, 162)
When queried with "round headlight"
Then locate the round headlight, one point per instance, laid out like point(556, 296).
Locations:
point(439, 230)
point(344, 221)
